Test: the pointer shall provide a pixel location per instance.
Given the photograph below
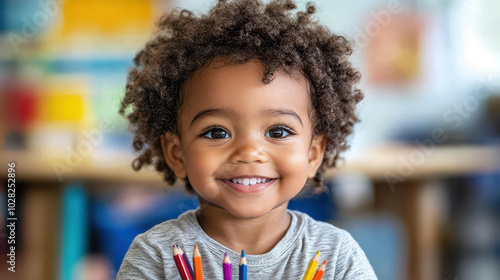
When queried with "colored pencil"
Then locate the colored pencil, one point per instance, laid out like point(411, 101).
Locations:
point(320, 272)
point(188, 264)
point(181, 265)
point(243, 266)
point(226, 265)
point(198, 271)
point(311, 268)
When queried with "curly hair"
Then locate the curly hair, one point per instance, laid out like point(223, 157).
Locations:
point(238, 31)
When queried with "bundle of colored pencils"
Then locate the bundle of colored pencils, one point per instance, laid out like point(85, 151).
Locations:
point(187, 273)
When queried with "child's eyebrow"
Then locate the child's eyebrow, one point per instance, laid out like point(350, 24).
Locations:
point(227, 113)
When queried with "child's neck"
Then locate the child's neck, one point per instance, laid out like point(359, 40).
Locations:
point(256, 236)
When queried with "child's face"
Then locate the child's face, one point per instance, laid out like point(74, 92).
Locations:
point(252, 129)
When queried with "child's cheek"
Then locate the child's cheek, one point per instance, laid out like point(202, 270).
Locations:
point(201, 167)
point(292, 167)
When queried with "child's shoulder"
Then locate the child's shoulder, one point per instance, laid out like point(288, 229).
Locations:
point(312, 225)
point(171, 229)
point(313, 231)
point(334, 243)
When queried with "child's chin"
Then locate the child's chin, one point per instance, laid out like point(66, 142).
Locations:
point(245, 212)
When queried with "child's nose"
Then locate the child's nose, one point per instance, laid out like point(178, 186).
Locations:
point(248, 150)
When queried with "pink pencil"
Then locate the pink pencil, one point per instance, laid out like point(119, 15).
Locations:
point(227, 267)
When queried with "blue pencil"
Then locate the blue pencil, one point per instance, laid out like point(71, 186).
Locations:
point(184, 256)
point(243, 266)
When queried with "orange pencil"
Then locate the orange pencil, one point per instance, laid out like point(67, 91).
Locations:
point(320, 272)
point(198, 272)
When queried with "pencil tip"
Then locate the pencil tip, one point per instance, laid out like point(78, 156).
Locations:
point(318, 253)
point(242, 253)
point(324, 262)
point(195, 246)
point(225, 254)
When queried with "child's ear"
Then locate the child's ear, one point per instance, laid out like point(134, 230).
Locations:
point(172, 151)
point(316, 154)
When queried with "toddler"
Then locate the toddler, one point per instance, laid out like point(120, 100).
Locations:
point(248, 104)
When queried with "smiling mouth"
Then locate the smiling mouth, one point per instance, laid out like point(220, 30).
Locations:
point(246, 186)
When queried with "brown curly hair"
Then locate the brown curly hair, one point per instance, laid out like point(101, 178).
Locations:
point(239, 31)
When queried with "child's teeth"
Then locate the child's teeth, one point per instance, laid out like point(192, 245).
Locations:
point(249, 181)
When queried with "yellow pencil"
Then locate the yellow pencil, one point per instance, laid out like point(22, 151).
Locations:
point(311, 268)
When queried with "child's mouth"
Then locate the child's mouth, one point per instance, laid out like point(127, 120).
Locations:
point(249, 188)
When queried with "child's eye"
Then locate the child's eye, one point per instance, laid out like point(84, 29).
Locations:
point(279, 132)
point(216, 133)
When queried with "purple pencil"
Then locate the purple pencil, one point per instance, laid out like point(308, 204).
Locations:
point(188, 264)
point(227, 267)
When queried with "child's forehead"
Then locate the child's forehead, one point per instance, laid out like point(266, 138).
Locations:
point(229, 83)
point(219, 75)
point(239, 87)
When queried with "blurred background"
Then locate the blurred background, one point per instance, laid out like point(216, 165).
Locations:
point(419, 189)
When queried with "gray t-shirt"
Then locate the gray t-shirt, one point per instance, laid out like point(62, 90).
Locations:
point(150, 254)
